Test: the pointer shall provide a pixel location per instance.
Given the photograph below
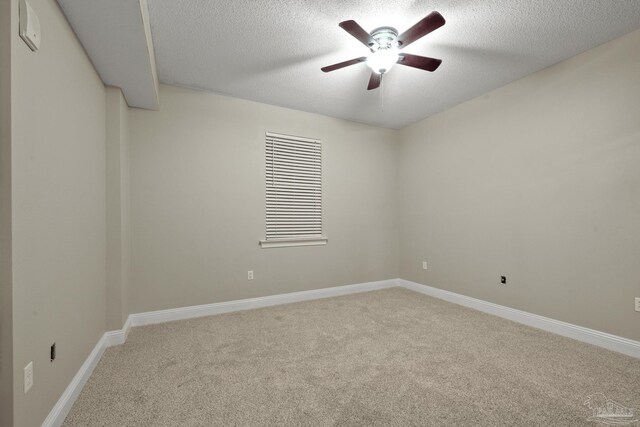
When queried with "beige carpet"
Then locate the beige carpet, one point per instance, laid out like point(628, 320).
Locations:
point(389, 357)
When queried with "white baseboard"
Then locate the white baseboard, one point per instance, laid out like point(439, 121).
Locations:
point(63, 406)
point(119, 336)
point(160, 316)
point(601, 339)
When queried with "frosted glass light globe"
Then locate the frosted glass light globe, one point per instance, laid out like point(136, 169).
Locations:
point(382, 60)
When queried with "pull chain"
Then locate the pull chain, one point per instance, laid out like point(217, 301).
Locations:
point(381, 93)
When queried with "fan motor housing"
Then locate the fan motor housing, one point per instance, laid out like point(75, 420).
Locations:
point(385, 37)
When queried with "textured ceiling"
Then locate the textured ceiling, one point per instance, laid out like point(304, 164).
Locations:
point(272, 51)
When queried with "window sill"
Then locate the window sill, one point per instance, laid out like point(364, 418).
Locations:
point(283, 243)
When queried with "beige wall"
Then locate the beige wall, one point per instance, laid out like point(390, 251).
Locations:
point(117, 204)
point(539, 181)
point(6, 330)
point(58, 172)
point(197, 194)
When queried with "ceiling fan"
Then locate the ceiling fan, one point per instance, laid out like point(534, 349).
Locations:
point(385, 45)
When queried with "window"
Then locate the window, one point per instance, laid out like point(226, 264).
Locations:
point(293, 191)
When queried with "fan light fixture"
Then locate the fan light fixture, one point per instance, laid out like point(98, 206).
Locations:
point(384, 49)
point(385, 44)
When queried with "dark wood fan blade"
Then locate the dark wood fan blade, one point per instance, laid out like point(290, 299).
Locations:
point(431, 22)
point(374, 81)
point(421, 62)
point(339, 65)
point(353, 28)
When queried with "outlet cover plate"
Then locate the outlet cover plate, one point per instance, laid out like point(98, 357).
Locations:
point(638, 304)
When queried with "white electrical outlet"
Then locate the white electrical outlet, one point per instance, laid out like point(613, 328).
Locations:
point(637, 303)
point(250, 275)
point(28, 377)
point(424, 265)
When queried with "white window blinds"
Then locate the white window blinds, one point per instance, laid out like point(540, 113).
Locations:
point(293, 190)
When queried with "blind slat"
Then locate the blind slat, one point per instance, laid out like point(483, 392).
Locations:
point(277, 198)
point(293, 145)
point(300, 185)
point(284, 153)
point(288, 149)
point(291, 192)
point(292, 177)
point(295, 171)
point(286, 233)
point(297, 139)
